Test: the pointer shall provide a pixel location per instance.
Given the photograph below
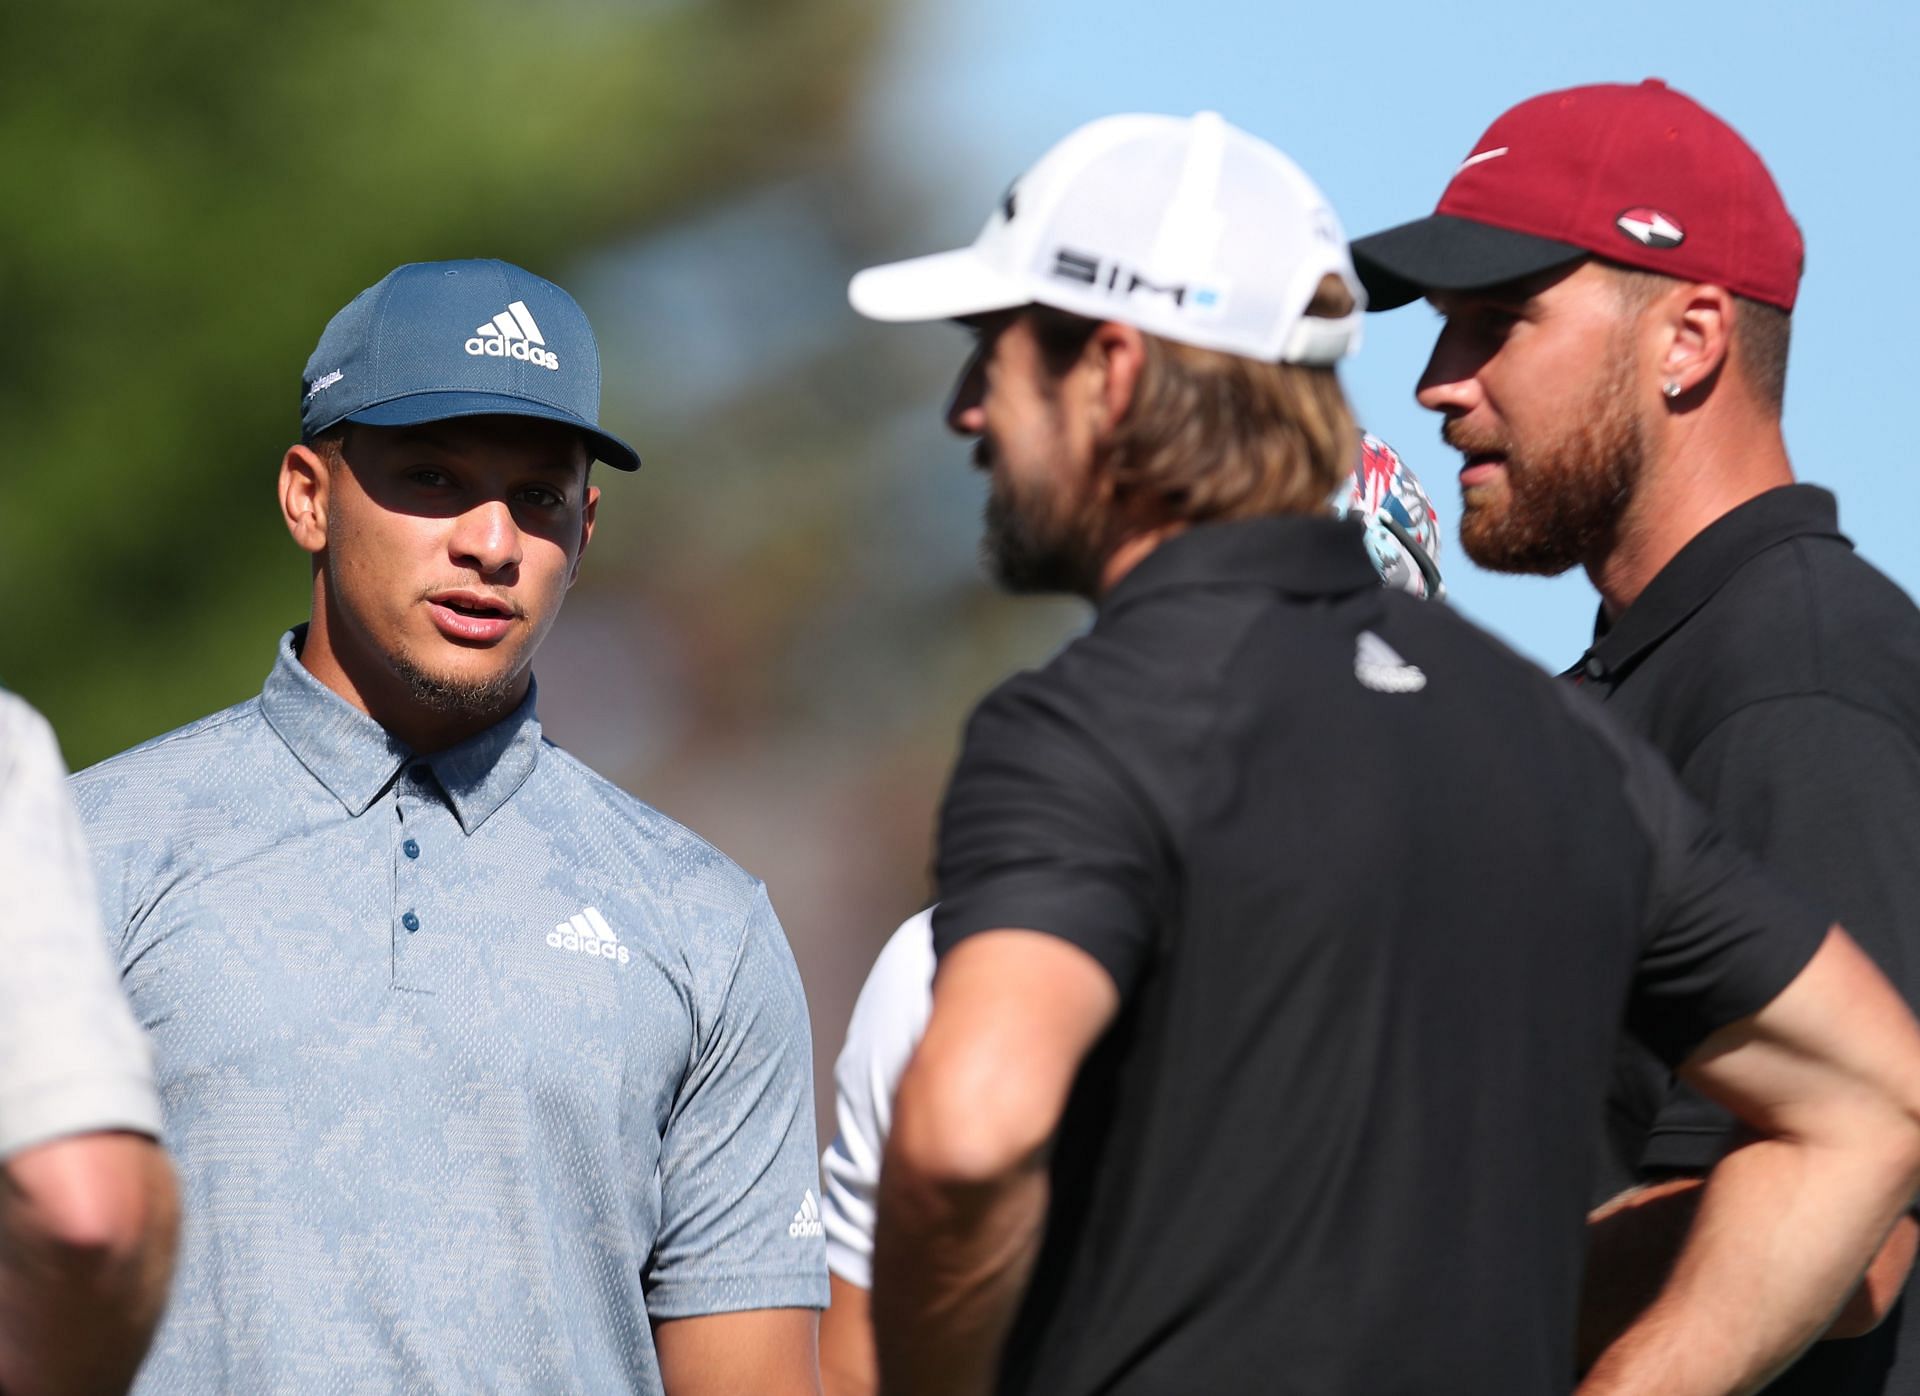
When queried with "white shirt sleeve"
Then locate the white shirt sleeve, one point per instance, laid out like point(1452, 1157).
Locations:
point(72, 1060)
point(888, 1021)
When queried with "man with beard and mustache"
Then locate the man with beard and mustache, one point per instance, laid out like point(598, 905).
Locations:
point(1403, 542)
point(481, 1075)
point(1196, 1111)
point(1617, 272)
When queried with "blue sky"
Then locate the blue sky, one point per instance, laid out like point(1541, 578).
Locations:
point(1379, 102)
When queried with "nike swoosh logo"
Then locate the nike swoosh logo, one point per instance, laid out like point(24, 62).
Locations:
point(1483, 157)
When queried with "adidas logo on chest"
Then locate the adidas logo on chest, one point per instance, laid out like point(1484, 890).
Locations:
point(512, 334)
point(587, 933)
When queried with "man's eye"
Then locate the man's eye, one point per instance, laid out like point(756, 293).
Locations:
point(428, 475)
point(542, 498)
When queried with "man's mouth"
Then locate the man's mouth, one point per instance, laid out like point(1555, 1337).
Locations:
point(471, 617)
point(1481, 467)
point(472, 605)
point(1481, 462)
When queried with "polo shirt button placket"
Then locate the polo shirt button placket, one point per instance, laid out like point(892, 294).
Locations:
point(409, 796)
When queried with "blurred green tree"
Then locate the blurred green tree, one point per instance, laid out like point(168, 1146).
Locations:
point(194, 188)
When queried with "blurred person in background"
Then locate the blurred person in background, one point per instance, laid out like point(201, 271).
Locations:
point(1197, 1109)
point(1402, 536)
point(1618, 272)
point(88, 1210)
point(483, 1074)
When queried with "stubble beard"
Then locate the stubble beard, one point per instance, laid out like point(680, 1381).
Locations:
point(449, 696)
point(1035, 542)
point(469, 698)
point(1562, 502)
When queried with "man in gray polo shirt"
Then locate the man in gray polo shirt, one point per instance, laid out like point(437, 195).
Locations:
point(482, 1075)
point(87, 1207)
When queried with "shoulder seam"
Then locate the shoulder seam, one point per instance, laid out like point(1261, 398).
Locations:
point(698, 1045)
point(627, 797)
point(1804, 695)
point(213, 722)
point(1097, 742)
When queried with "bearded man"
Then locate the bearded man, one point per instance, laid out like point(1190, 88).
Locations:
point(1193, 1111)
point(1617, 271)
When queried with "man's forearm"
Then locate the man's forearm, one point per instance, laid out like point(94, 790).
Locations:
point(87, 1233)
point(1633, 1241)
point(1776, 1247)
point(952, 1261)
point(848, 1366)
point(964, 1185)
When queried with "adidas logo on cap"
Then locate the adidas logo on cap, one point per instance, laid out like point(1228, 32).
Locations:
point(512, 334)
point(587, 933)
point(806, 1221)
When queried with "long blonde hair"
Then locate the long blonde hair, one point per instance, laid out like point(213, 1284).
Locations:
point(1213, 436)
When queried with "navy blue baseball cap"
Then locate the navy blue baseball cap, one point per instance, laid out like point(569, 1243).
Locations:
point(434, 340)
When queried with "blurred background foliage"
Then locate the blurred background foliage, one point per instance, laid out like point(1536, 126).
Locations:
point(781, 625)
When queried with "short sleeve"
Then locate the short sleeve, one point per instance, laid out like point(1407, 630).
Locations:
point(1828, 795)
point(739, 1223)
point(888, 1021)
point(72, 1060)
point(1041, 830)
point(1722, 938)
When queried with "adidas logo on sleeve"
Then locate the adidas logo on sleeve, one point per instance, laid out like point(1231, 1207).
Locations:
point(806, 1221)
point(512, 334)
point(587, 933)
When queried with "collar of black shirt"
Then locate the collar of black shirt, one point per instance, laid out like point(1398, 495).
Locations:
point(1701, 569)
point(1303, 554)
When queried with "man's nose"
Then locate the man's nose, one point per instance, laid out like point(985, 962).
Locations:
point(486, 538)
point(965, 416)
point(1450, 383)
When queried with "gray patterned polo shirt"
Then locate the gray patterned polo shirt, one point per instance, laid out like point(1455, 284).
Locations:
point(471, 1062)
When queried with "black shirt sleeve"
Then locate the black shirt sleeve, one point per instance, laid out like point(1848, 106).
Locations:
point(1043, 830)
point(1723, 938)
point(1828, 795)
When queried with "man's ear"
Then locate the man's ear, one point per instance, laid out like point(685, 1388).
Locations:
point(1695, 324)
point(587, 513)
point(306, 485)
point(1117, 353)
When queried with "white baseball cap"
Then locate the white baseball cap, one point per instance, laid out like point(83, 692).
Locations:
point(1185, 227)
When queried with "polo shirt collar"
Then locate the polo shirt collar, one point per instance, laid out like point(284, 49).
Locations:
point(356, 758)
point(1705, 565)
point(1298, 553)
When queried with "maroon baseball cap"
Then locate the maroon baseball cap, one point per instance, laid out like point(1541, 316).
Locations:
point(1638, 175)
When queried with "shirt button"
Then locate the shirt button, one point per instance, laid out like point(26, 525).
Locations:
point(410, 921)
point(1593, 668)
point(410, 848)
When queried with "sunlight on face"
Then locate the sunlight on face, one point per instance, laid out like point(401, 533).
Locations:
point(450, 547)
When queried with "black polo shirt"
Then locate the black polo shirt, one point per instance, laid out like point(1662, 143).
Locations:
point(1779, 673)
point(1378, 896)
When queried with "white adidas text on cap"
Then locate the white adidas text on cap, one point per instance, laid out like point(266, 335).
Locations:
point(1186, 228)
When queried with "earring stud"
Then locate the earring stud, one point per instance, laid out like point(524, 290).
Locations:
point(1672, 389)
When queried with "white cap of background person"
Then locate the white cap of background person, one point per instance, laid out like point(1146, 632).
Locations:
point(1184, 227)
